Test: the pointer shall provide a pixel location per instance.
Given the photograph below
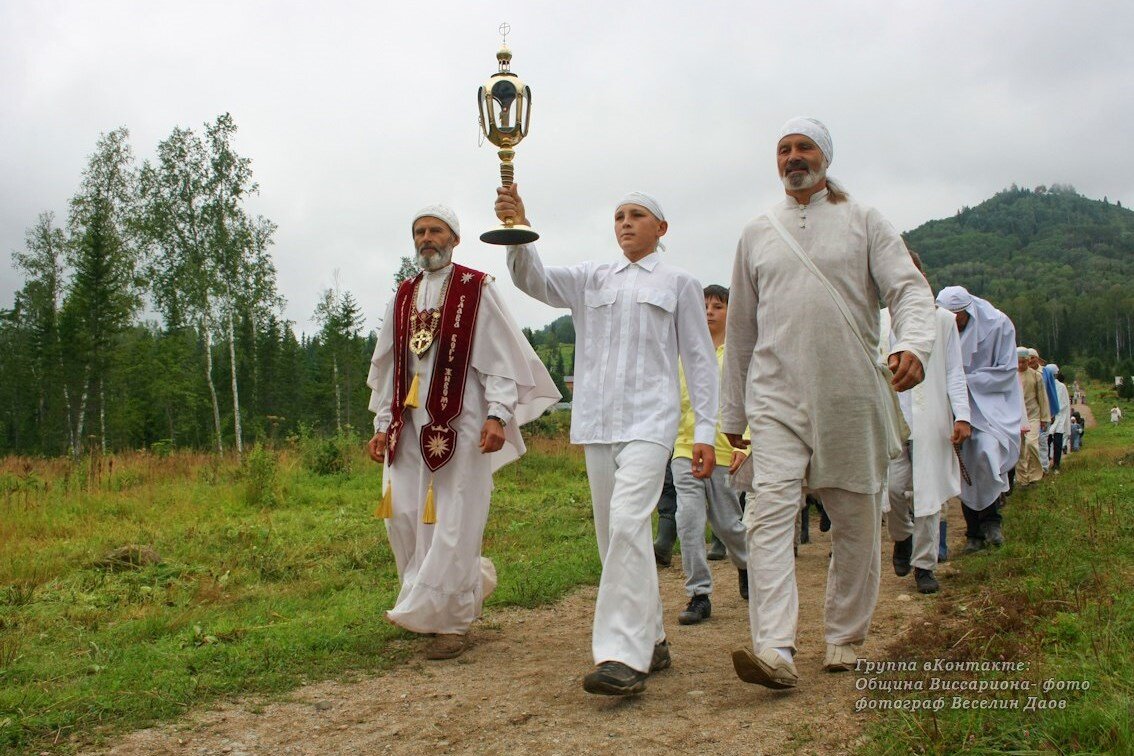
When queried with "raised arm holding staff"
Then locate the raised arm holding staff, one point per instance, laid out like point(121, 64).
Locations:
point(634, 316)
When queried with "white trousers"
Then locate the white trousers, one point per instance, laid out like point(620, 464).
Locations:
point(901, 521)
point(852, 578)
point(626, 480)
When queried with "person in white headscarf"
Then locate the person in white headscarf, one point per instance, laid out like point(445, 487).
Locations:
point(435, 511)
point(927, 474)
point(634, 317)
point(1030, 468)
point(1061, 422)
point(802, 371)
point(996, 405)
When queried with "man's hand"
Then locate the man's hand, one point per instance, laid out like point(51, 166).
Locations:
point(704, 459)
point(377, 447)
point(509, 205)
point(737, 440)
point(738, 458)
point(907, 370)
point(491, 436)
point(961, 432)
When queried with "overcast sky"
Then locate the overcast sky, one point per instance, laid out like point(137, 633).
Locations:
point(355, 114)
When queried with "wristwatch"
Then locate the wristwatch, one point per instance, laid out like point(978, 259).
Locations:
point(494, 417)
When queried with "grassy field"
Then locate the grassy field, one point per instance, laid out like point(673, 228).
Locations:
point(270, 576)
point(1058, 597)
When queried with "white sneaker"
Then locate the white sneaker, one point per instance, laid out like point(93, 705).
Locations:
point(768, 668)
point(840, 658)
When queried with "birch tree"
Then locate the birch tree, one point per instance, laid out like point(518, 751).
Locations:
point(103, 295)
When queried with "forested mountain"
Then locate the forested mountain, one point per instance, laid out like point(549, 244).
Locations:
point(1059, 264)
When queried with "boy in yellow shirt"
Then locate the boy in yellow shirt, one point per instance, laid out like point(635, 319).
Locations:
point(712, 498)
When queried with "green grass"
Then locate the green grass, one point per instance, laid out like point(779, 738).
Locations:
point(1059, 596)
point(271, 576)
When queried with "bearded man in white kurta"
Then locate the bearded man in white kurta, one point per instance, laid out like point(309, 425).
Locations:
point(634, 317)
point(813, 426)
point(996, 406)
point(452, 380)
point(928, 474)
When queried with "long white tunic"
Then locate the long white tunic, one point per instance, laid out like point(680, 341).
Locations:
point(1062, 421)
point(444, 579)
point(793, 365)
point(632, 323)
point(988, 352)
point(930, 409)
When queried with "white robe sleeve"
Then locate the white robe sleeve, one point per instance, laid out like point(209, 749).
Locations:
point(955, 383)
point(699, 360)
point(381, 376)
point(516, 383)
point(903, 288)
point(741, 330)
point(556, 286)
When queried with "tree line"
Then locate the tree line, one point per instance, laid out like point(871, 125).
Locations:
point(85, 365)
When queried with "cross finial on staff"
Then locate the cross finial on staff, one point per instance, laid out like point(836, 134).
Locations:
point(504, 30)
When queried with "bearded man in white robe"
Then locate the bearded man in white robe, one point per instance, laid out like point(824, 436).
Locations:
point(996, 406)
point(928, 474)
point(813, 427)
point(452, 380)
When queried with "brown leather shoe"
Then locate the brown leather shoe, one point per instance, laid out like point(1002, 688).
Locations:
point(446, 646)
point(767, 668)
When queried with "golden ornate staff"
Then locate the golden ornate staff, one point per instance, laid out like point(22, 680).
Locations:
point(505, 105)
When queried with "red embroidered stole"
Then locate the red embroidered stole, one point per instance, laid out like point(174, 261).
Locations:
point(450, 366)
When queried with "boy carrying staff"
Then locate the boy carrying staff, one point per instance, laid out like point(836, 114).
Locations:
point(634, 317)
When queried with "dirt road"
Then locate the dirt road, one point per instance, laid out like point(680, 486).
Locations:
point(518, 691)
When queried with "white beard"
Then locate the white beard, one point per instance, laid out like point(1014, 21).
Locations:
point(793, 182)
point(435, 261)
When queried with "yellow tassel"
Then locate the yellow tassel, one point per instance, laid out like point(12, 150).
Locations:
point(429, 517)
point(411, 395)
point(385, 509)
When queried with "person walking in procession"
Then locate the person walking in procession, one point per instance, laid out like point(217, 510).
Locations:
point(452, 379)
point(996, 410)
point(634, 317)
point(712, 499)
point(802, 371)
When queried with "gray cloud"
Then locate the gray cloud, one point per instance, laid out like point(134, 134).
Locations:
point(355, 114)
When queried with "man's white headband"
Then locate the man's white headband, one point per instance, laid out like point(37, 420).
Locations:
point(813, 130)
point(441, 212)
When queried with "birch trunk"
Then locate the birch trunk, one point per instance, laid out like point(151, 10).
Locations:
point(338, 394)
point(102, 414)
point(235, 392)
point(212, 387)
point(79, 422)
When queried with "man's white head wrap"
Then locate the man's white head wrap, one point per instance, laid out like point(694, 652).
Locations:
point(813, 130)
point(1022, 353)
point(1032, 352)
point(646, 201)
point(955, 298)
point(441, 212)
